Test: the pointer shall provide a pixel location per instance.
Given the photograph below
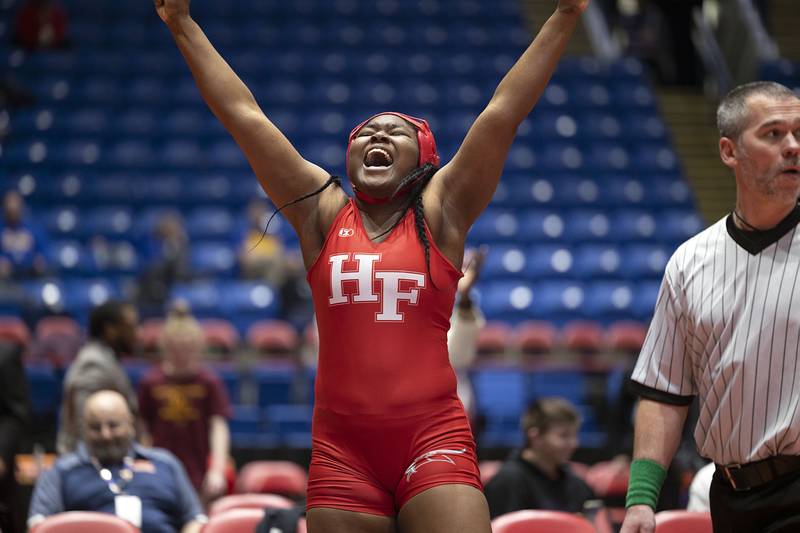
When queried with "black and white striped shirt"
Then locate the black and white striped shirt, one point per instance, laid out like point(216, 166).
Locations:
point(727, 330)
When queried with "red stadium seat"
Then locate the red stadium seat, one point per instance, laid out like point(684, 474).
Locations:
point(683, 522)
point(608, 478)
point(63, 326)
point(14, 330)
point(250, 501)
point(273, 336)
point(626, 337)
point(541, 522)
point(220, 335)
point(488, 469)
point(535, 337)
point(148, 334)
point(234, 521)
point(494, 338)
point(584, 337)
point(58, 340)
point(84, 522)
point(276, 477)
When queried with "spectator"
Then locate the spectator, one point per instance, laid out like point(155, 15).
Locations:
point(166, 260)
point(111, 473)
point(14, 415)
point(465, 324)
point(539, 476)
point(22, 241)
point(185, 408)
point(42, 24)
point(261, 254)
point(699, 490)
point(112, 332)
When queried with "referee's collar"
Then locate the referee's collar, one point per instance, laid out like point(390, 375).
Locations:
point(756, 241)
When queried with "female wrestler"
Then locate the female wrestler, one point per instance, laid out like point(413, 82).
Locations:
point(392, 450)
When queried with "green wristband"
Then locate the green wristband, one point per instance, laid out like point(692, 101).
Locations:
point(645, 483)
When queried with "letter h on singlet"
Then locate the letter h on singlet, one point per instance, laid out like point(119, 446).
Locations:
point(364, 276)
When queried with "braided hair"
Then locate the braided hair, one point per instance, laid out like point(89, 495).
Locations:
point(333, 179)
point(417, 180)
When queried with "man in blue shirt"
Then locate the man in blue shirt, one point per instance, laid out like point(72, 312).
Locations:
point(22, 241)
point(110, 473)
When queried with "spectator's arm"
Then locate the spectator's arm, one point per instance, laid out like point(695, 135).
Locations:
point(219, 438)
point(47, 498)
point(462, 339)
point(193, 527)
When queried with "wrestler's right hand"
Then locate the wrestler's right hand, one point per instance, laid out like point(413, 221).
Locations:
point(639, 519)
point(172, 11)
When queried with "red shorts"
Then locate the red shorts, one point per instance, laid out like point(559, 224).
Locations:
point(371, 464)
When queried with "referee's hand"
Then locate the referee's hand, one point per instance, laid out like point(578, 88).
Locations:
point(639, 519)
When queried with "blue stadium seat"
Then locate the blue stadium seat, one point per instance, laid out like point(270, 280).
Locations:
point(541, 225)
point(111, 221)
point(597, 261)
point(507, 300)
point(645, 260)
point(607, 301)
point(246, 421)
point(600, 126)
point(587, 225)
point(274, 384)
point(557, 300)
point(44, 387)
point(645, 300)
point(137, 121)
point(503, 261)
point(180, 154)
point(496, 225)
point(548, 261)
point(674, 226)
point(60, 222)
point(81, 295)
point(204, 297)
point(70, 258)
point(632, 225)
point(245, 302)
point(292, 423)
point(212, 258)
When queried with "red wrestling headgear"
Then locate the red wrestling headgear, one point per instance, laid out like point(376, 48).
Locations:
point(425, 140)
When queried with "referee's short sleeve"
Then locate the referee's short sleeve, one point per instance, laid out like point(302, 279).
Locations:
point(665, 364)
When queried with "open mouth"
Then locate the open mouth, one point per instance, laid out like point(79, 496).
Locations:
point(378, 158)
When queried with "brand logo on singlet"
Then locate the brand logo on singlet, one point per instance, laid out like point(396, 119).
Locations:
point(346, 232)
point(434, 456)
point(395, 286)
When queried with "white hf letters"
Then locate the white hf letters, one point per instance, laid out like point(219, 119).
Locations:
point(389, 295)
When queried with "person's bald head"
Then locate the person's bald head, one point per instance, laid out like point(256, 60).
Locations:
point(108, 427)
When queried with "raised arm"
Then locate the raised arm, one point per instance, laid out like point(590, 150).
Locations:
point(281, 170)
point(466, 184)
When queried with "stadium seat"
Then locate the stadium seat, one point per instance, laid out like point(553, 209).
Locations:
point(84, 522)
point(14, 330)
point(249, 501)
point(276, 477)
point(608, 478)
point(584, 337)
point(220, 335)
point(683, 522)
point(541, 522)
point(494, 338)
point(488, 469)
point(234, 521)
point(275, 337)
point(626, 337)
point(535, 337)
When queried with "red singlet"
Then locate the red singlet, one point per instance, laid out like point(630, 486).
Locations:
point(385, 392)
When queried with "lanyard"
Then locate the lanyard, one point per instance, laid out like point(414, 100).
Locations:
point(125, 475)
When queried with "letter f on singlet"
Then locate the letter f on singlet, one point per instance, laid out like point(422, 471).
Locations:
point(363, 275)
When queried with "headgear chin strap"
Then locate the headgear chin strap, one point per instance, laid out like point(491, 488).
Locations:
point(425, 140)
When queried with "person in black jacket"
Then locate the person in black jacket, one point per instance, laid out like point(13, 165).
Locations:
point(539, 475)
point(14, 416)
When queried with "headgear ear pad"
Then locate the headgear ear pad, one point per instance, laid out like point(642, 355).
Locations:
point(427, 144)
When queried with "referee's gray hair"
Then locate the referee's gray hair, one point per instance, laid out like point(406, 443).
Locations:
point(732, 112)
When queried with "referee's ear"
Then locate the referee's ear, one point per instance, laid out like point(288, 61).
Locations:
point(727, 152)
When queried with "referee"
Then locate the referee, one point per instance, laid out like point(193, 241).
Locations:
point(726, 329)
